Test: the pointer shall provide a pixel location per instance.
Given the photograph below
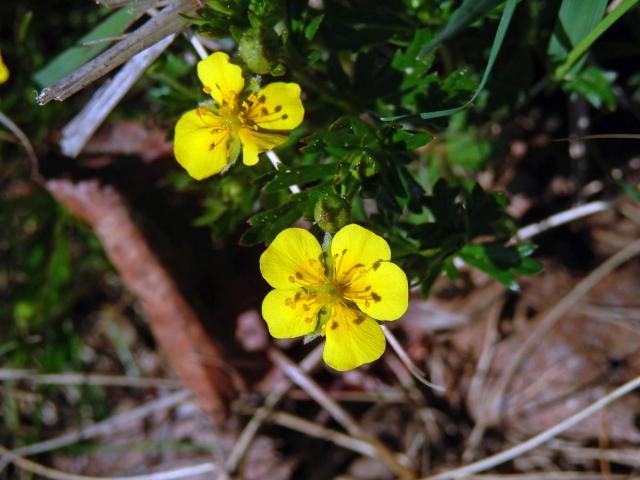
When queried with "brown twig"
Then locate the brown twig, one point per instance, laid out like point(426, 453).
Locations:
point(196, 358)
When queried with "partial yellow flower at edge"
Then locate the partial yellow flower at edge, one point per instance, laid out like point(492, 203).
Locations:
point(343, 298)
point(209, 139)
point(4, 71)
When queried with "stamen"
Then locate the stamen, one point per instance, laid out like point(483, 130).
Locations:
point(334, 325)
point(278, 108)
point(206, 90)
point(264, 111)
point(285, 116)
point(262, 99)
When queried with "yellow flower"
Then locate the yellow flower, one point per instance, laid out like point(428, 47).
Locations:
point(209, 138)
point(4, 71)
point(339, 295)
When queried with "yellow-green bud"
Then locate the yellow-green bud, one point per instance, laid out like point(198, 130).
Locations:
point(331, 213)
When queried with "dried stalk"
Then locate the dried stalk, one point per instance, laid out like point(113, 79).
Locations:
point(541, 438)
point(78, 131)
point(165, 23)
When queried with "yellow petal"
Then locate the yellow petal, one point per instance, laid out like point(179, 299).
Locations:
point(381, 292)
point(254, 142)
point(4, 71)
point(276, 107)
point(355, 249)
point(352, 339)
point(290, 313)
point(293, 259)
point(221, 78)
point(201, 152)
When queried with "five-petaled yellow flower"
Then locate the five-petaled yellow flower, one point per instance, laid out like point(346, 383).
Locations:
point(340, 294)
point(209, 138)
point(4, 71)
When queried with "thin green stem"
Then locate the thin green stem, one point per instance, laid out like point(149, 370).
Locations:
point(587, 41)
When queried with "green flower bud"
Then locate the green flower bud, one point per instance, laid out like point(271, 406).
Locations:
point(253, 51)
point(331, 213)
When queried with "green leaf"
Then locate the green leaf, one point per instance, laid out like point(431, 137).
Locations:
point(595, 85)
point(502, 263)
point(576, 19)
point(505, 20)
point(580, 49)
point(266, 225)
point(75, 57)
point(298, 175)
point(465, 15)
point(312, 28)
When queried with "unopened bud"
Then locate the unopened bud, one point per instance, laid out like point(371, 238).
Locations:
point(331, 213)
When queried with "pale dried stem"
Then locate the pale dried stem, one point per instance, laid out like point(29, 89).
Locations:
point(625, 456)
point(407, 362)
point(165, 23)
point(78, 131)
point(87, 379)
point(300, 378)
point(479, 378)
point(119, 421)
point(549, 319)
point(24, 141)
point(53, 474)
point(541, 438)
point(566, 216)
point(309, 363)
point(552, 476)
point(311, 429)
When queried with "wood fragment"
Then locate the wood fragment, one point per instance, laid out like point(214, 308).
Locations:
point(167, 22)
point(195, 357)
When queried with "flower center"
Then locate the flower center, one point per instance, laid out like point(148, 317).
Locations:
point(329, 293)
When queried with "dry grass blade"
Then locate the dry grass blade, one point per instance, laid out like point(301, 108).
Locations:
point(88, 379)
point(165, 23)
point(300, 378)
point(550, 318)
point(318, 431)
point(116, 422)
point(78, 131)
point(24, 140)
point(53, 474)
point(541, 438)
point(309, 363)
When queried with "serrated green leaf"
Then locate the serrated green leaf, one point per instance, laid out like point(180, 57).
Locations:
point(505, 20)
point(287, 176)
